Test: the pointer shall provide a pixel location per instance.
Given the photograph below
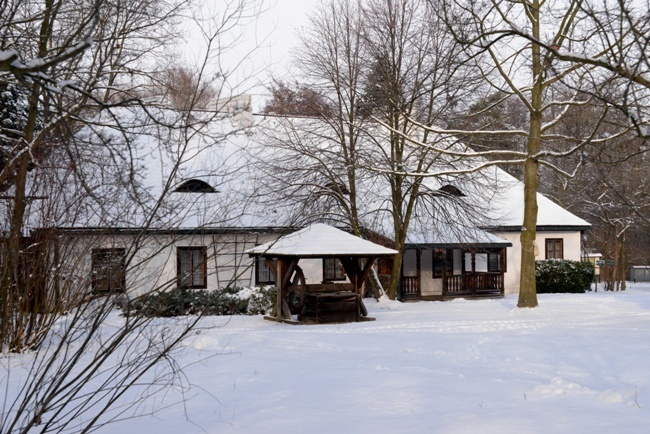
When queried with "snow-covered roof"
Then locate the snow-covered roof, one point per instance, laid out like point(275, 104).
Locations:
point(129, 162)
point(135, 157)
point(491, 198)
point(448, 235)
point(321, 240)
point(509, 206)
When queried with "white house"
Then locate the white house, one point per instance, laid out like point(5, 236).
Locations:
point(187, 202)
point(486, 261)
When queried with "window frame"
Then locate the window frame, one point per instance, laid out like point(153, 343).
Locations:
point(440, 258)
point(203, 284)
point(494, 265)
point(551, 246)
point(101, 254)
point(261, 263)
point(327, 266)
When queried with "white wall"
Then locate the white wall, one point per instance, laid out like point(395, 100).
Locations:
point(154, 266)
point(428, 285)
point(571, 244)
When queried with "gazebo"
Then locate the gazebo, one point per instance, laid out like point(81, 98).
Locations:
point(326, 301)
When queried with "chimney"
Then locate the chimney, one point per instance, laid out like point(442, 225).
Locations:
point(239, 108)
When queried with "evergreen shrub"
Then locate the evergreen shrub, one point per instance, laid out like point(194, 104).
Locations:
point(563, 276)
point(228, 301)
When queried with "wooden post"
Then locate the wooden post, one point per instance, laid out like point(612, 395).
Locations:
point(474, 277)
point(445, 252)
point(280, 271)
point(502, 271)
point(282, 280)
point(366, 269)
point(353, 271)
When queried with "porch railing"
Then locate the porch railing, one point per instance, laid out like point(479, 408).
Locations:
point(480, 283)
point(410, 287)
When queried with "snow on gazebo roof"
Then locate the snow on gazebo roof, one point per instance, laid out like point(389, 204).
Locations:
point(321, 240)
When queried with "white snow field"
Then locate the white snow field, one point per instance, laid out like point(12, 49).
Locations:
point(577, 364)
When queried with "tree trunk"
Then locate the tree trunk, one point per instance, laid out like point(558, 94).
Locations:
point(623, 263)
point(395, 276)
point(527, 285)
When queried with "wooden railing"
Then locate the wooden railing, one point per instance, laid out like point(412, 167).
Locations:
point(410, 287)
point(474, 284)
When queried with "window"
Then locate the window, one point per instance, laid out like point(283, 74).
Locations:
point(441, 259)
point(554, 248)
point(333, 269)
point(192, 267)
point(494, 262)
point(263, 273)
point(108, 274)
point(195, 186)
point(451, 190)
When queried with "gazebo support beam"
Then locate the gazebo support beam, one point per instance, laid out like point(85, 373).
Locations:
point(284, 271)
point(366, 269)
point(352, 269)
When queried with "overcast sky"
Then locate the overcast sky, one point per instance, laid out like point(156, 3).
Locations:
point(265, 46)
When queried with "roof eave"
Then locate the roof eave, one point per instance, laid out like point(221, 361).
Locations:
point(540, 228)
point(320, 255)
point(460, 245)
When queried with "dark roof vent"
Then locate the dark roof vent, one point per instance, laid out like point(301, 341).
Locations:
point(451, 190)
point(195, 186)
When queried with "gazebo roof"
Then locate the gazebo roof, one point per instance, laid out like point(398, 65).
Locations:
point(318, 241)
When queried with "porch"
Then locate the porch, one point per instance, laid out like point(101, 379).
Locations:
point(434, 273)
point(472, 285)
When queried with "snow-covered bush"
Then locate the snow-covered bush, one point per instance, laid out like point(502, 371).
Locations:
point(228, 301)
point(262, 300)
point(561, 275)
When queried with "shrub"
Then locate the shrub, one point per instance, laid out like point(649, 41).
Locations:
point(262, 301)
point(563, 276)
point(228, 301)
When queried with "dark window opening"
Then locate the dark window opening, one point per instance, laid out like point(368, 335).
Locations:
point(192, 267)
point(108, 270)
point(494, 262)
point(384, 266)
point(333, 269)
point(554, 248)
point(443, 259)
point(451, 190)
point(195, 186)
point(337, 187)
point(263, 272)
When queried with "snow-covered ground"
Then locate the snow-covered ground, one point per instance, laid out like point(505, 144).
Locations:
point(576, 364)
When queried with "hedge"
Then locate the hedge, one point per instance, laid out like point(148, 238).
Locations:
point(563, 276)
point(228, 301)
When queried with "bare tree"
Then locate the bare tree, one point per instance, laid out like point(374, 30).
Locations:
point(611, 191)
point(385, 69)
point(295, 100)
point(313, 161)
point(74, 73)
point(613, 40)
point(179, 85)
point(415, 80)
point(63, 83)
point(548, 88)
